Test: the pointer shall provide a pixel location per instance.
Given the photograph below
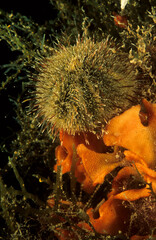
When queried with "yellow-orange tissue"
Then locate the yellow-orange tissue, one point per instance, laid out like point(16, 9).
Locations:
point(135, 130)
point(97, 165)
point(66, 154)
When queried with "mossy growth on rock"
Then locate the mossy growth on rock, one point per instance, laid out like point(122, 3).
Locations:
point(80, 87)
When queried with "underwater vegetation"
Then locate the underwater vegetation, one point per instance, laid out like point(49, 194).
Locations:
point(78, 156)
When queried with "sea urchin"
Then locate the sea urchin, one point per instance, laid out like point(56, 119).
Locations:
point(81, 87)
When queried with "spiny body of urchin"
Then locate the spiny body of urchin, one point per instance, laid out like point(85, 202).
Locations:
point(81, 87)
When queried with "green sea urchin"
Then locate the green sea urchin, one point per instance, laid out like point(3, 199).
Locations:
point(81, 87)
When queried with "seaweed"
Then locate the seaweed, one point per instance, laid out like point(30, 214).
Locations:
point(27, 178)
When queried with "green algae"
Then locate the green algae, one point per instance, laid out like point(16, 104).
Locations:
point(27, 161)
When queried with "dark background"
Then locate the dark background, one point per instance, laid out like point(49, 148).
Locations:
point(40, 12)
